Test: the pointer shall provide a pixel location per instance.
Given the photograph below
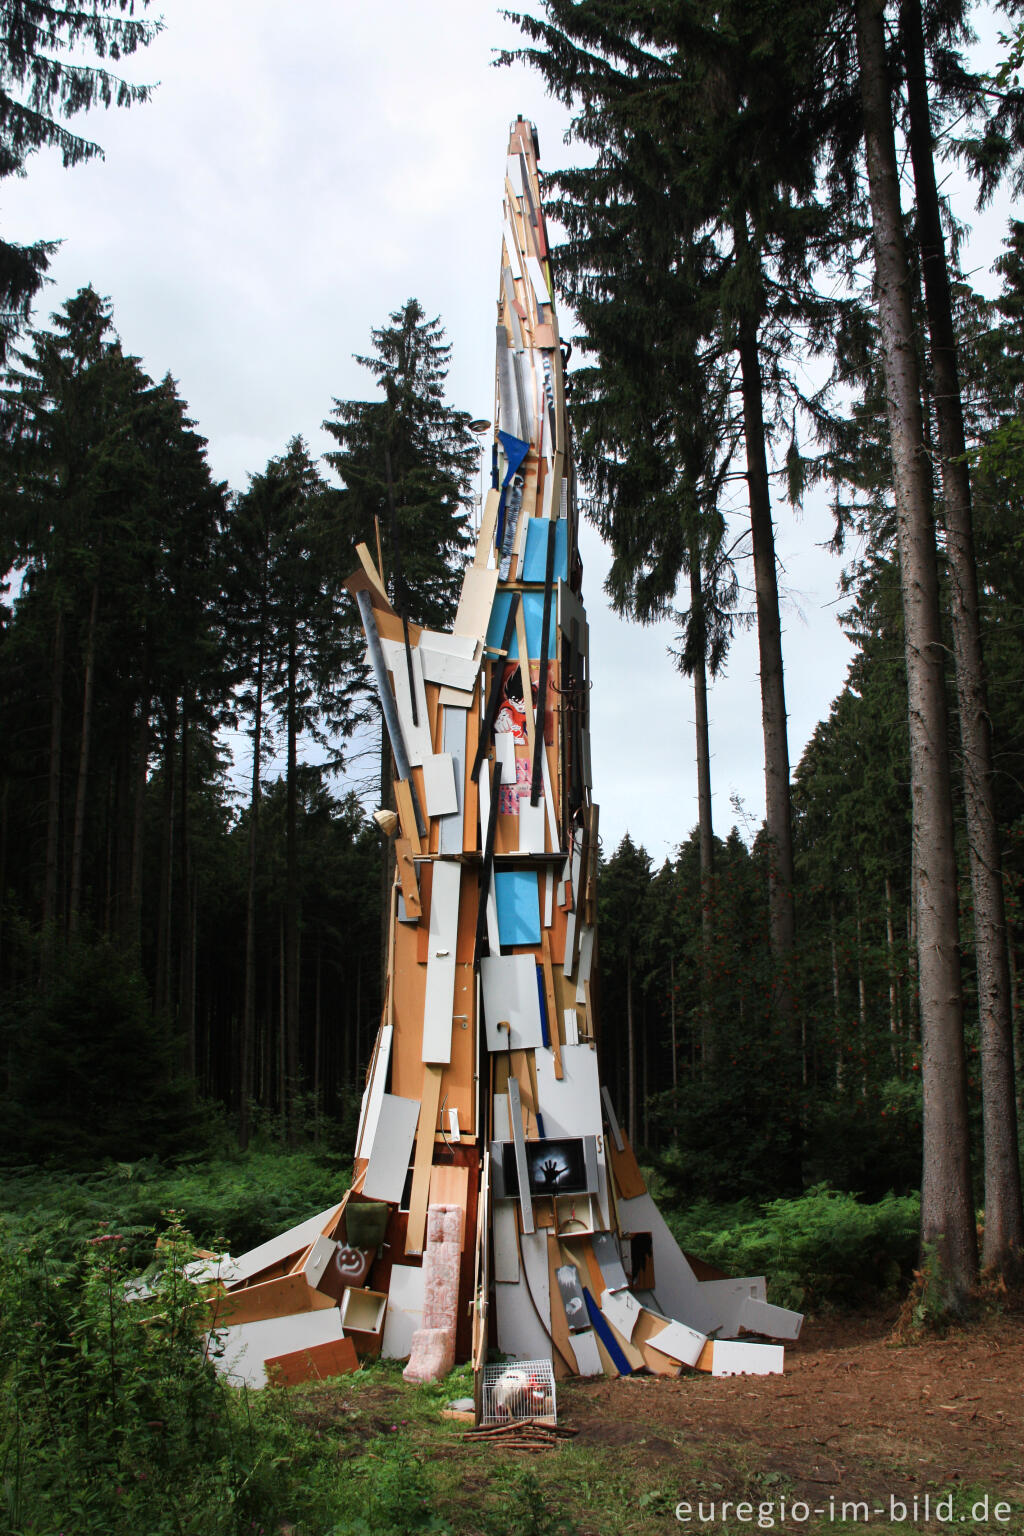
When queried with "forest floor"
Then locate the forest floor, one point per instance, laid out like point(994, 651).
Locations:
point(856, 1435)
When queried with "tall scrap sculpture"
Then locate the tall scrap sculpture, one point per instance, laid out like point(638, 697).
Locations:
point(496, 1199)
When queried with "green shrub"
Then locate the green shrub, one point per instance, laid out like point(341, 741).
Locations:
point(823, 1248)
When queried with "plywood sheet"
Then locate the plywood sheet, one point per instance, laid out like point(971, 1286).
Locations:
point(318, 1363)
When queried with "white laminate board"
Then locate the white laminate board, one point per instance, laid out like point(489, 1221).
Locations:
point(439, 997)
point(571, 1104)
point(514, 172)
point(452, 660)
point(572, 1029)
point(451, 828)
point(405, 1311)
point(277, 1248)
point(317, 1260)
point(676, 1287)
point(512, 247)
point(374, 1091)
point(503, 1232)
point(531, 826)
point(439, 790)
point(484, 801)
point(391, 1149)
point(584, 1347)
point(474, 612)
point(243, 1350)
point(418, 744)
point(679, 1342)
point(549, 896)
point(731, 1359)
point(622, 1310)
point(586, 961)
point(520, 1332)
point(777, 1322)
point(534, 1249)
point(500, 1122)
point(535, 273)
point(511, 996)
point(515, 1115)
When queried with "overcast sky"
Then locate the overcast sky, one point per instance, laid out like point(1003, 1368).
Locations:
point(301, 171)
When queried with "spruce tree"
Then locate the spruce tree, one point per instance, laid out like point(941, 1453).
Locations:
point(39, 91)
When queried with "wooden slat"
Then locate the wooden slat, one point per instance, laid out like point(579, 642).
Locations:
point(423, 1159)
point(407, 877)
point(272, 1298)
point(335, 1358)
point(406, 814)
point(554, 1012)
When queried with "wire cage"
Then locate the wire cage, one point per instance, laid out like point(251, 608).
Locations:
point(519, 1389)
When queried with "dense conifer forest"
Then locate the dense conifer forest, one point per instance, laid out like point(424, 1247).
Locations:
point(166, 639)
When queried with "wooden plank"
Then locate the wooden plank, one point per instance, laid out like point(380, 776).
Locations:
point(270, 1298)
point(449, 1185)
point(407, 815)
point(629, 1181)
point(554, 1015)
point(519, 1142)
point(474, 612)
point(407, 877)
point(336, 1357)
point(424, 1159)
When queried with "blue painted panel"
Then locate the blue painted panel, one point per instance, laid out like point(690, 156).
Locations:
point(533, 610)
point(535, 558)
point(518, 901)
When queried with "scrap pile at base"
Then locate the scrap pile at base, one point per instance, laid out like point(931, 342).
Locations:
point(496, 1200)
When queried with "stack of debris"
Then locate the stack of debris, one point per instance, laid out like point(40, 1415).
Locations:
point(496, 1199)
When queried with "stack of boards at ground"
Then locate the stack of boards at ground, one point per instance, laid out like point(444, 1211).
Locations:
point(496, 1200)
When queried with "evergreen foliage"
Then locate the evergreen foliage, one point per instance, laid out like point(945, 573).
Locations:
point(39, 91)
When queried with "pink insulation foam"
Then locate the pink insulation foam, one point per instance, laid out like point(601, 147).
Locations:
point(433, 1345)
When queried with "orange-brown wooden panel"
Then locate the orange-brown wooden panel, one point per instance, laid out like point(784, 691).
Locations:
point(334, 1358)
point(271, 1298)
point(629, 1181)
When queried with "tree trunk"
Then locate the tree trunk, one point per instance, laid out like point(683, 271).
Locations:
point(1004, 1216)
point(165, 906)
point(291, 904)
point(186, 990)
point(85, 741)
point(53, 794)
point(704, 819)
point(630, 1051)
point(773, 692)
point(246, 1043)
point(947, 1214)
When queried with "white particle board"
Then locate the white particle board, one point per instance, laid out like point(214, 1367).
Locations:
point(484, 800)
point(505, 752)
point(374, 1091)
point(391, 1150)
point(275, 1249)
point(609, 1259)
point(439, 998)
point(439, 790)
point(511, 997)
point(572, 1029)
point(241, 1352)
point(732, 1359)
point(500, 1120)
point(405, 1311)
point(512, 248)
point(514, 172)
point(520, 1332)
point(454, 1134)
point(549, 896)
point(515, 1115)
point(679, 1342)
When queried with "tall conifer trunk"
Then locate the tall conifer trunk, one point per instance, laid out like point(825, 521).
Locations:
point(704, 818)
point(769, 643)
point(947, 1214)
point(1004, 1218)
point(290, 957)
point(53, 792)
point(84, 746)
point(248, 1035)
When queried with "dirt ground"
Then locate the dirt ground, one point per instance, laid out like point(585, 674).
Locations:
point(855, 1416)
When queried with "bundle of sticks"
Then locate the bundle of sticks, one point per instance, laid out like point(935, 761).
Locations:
point(521, 1434)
